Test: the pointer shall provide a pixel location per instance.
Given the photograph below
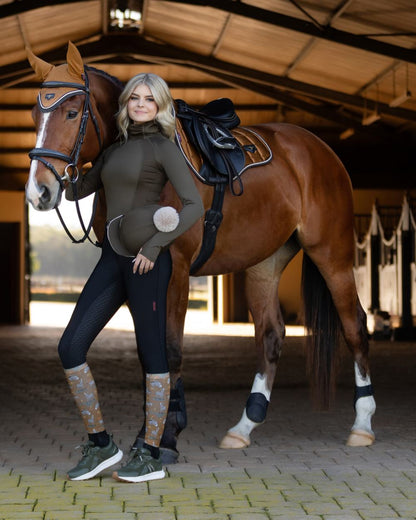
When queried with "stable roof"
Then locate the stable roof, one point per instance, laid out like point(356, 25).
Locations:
point(345, 69)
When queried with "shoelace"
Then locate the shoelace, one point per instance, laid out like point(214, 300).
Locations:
point(85, 449)
point(135, 454)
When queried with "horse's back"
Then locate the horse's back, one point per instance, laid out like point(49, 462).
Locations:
point(326, 225)
point(303, 150)
point(322, 180)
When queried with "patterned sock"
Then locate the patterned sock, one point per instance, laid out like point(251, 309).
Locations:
point(82, 386)
point(157, 404)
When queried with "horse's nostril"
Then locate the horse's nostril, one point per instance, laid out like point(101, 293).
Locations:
point(46, 194)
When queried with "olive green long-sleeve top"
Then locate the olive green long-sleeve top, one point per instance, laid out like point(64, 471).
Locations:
point(134, 173)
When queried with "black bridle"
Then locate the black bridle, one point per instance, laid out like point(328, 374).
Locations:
point(39, 154)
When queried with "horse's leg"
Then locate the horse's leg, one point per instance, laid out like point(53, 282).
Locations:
point(177, 304)
point(262, 283)
point(354, 322)
point(339, 279)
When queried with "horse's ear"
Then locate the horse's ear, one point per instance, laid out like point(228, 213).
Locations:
point(74, 60)
point(41, 67)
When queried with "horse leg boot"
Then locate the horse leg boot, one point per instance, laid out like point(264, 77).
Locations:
point(100, 452)
point(254, 414)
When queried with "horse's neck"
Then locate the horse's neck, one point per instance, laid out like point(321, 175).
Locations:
point(106, 94)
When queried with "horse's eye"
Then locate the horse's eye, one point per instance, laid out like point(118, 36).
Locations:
point(72, 114)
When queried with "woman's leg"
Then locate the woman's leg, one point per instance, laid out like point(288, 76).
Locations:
point(156, 409)
point(147, 301)
point(84, 391)
point(101, 297)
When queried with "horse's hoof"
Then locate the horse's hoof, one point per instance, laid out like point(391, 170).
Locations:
point(360, 438)
point(168, 455)
point(234, 441)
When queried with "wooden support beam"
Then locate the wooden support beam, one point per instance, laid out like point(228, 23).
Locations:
point(323, 32)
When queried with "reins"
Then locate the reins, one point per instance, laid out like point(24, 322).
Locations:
point(39, 154)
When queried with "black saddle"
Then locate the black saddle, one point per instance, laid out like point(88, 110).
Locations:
point(208, 129)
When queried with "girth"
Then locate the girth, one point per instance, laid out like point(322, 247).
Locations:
point(218, 152)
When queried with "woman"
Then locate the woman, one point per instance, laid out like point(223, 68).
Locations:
point(135, 266)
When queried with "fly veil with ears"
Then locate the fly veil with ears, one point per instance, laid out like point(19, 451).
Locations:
point(60, 83)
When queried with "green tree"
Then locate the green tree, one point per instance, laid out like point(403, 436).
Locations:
point(53, 254)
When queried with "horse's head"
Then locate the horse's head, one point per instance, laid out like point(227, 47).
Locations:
point(70, 129)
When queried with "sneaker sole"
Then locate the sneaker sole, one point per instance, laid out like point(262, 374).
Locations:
point(142, 478)
point(101, 467)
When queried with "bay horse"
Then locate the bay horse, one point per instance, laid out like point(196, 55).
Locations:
point(301, 199)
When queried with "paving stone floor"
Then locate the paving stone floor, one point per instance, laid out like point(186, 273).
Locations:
point(297, 466)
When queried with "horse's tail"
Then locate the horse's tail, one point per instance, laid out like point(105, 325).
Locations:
point(323, 328)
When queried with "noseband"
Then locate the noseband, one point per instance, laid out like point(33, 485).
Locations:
point(39, 154)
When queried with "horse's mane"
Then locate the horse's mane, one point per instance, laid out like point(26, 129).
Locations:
point(116, 82)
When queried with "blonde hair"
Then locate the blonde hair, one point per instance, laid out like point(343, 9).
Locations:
point(160, 91)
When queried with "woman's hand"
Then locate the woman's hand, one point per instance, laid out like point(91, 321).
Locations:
point(142, 264)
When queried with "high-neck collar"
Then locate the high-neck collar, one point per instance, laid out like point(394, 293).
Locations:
point(143, 129)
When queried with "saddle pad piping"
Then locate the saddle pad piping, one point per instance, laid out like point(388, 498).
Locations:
point(246, 167)
point(260, 163)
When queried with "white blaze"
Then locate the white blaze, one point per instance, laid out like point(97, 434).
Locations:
point(32, 189)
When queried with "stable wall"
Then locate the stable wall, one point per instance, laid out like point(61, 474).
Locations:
point(289, 290)
point(364, 199)
point(13, 302)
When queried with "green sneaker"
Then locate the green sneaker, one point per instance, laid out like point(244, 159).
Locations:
point(140, 467)
point(94, 460)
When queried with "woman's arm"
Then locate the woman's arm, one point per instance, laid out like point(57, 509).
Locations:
point(87, 183)
point(179, 175)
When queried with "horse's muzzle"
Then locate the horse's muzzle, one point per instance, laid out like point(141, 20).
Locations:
point(45, 198)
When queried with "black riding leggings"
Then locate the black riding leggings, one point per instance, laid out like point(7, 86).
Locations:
point(111, 284)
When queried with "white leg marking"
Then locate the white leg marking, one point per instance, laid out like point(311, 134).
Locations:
point(260, 386)
point(245, 426)
point(33, 192)
point(365, 406)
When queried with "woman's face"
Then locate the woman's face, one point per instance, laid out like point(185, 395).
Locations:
point(141, 106)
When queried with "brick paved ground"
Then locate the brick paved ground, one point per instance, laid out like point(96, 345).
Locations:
point(297, 467)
